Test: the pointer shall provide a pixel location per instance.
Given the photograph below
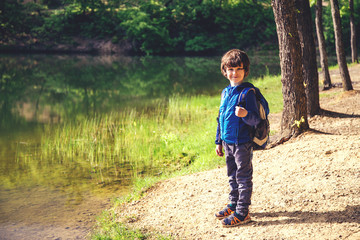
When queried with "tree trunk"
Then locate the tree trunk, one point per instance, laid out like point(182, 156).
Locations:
point(353, 33)
point(339, 44)
point(294, 116)
point(309, 64)
point(322, 47)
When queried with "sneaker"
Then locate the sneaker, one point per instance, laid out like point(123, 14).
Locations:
point(225, 212)
point(235, 220)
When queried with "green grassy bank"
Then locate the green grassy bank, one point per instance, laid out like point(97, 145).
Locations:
point(173, 138)
point(186, 139)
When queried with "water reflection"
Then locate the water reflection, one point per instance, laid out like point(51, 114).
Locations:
point(38, 90)
point(47, 88)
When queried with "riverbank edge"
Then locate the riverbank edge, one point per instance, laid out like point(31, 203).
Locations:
point(104, 46)
point(108, 217)
point(107, 223)
point(74, 46)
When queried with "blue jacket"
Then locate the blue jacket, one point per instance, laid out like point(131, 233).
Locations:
point(231, 128)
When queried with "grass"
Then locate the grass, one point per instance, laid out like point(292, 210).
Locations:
point(170, 136)
point(108, 228)
point(336, 66)
point(202, 131)
point(328, 94)
point(270, 87)
point(173, 138)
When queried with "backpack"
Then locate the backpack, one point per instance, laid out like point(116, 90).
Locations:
point(259, 133)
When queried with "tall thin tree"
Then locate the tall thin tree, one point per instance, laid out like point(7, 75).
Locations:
point(354, 56)
point(294, 116)
point(310, 72)
point(339, 44)
point(322, 46)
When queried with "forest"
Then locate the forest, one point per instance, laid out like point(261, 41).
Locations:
point(153, 27)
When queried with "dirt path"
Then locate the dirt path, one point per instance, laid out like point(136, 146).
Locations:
point(307, 188)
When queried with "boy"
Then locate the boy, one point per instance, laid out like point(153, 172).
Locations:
point(233, 134)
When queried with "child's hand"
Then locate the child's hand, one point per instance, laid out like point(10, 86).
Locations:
point(219, 150)
point(240, 111)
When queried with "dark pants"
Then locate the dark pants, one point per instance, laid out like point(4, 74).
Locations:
point(239, 170)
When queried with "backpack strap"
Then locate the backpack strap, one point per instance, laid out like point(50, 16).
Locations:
point(242, 95)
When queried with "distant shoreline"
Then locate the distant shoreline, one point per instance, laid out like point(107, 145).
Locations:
point(77, 46)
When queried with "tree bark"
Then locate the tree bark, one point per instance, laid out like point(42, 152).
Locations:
point(294, 116)
point(354, 56)
point(339, 44)
point(309, 64)
point(322, 46)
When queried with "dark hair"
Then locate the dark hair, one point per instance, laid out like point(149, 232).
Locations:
point(234, 58)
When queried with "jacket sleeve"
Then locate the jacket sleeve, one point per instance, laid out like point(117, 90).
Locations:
point(218, 140)
point(253, 116)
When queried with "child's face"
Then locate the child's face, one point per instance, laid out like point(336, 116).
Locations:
point(235, 74)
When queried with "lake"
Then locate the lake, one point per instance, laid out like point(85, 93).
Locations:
point(53, 196)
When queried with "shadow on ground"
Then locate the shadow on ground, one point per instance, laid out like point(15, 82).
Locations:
point(351, 214)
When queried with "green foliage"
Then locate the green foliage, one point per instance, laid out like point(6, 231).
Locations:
point(200, 43)
point(345, 24)
point(11, 15)
point(74, 20)
point(153, 27)
point(158, 26)
point(52, 3)
point(148, 31)
point(238, 24)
